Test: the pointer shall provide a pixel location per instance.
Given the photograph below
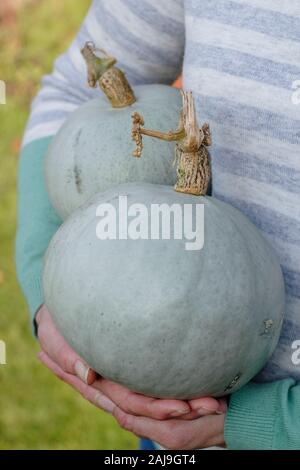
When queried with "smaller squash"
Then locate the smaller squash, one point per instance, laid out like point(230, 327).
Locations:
point(92, 152)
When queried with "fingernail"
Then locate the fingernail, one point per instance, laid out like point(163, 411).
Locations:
point(104, 403)
point(177, 413)
point(211, 409)
point(91, 376)
point(82, 371)
point(220, 412)
point(207, 409)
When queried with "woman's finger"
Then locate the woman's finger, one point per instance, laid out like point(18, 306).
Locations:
point(208, 405)
point(140, 405)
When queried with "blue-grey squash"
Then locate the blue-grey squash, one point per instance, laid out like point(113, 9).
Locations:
point(146, 307)
point(157, 318)
point(92, 151)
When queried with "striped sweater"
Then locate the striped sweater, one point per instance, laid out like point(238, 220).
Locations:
point(241, 58)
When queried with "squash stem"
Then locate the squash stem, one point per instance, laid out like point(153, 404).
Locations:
point(192, 157)
point(111, 79)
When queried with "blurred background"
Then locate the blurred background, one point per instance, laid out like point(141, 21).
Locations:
point(37, 410)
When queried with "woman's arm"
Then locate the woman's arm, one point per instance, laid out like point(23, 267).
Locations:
point(37, 222)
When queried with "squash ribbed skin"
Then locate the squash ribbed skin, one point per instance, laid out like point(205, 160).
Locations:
point(93, 150)
point(159, 319)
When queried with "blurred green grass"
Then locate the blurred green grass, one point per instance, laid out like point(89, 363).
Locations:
point(37, 411)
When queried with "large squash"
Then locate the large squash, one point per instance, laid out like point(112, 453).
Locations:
point(92, 151)
point(151, 314)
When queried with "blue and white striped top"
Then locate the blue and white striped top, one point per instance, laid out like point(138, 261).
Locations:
point(241, 58)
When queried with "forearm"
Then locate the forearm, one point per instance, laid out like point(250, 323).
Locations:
point(264, 416)
point(37, 222)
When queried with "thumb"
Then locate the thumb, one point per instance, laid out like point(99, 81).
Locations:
point(70, 362)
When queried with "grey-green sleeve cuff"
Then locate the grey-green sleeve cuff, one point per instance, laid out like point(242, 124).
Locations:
point(264, 416)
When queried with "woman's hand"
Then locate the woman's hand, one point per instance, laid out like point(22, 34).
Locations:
point(58, 356)
point(176, 434)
